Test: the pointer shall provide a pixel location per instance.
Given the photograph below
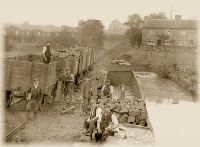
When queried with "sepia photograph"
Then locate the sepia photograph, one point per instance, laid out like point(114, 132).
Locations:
point(100, 72)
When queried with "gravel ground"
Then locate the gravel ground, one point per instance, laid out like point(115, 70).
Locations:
point(50, 125)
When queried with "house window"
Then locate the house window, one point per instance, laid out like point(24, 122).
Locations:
point(168, 32)
point(191, 43)
point(150, 42)
point(182, 43)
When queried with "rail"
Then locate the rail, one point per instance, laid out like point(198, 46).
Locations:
point(14, 131)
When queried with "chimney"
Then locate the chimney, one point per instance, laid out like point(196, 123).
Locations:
point(177, 17)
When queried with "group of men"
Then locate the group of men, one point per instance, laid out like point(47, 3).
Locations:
point(101, 121)
point(104, 91)
point(35, 94)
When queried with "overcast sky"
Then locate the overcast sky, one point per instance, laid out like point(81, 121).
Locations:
point(69, 12)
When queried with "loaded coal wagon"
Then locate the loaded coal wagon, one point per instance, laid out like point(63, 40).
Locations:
point(20, 71)
point(79, 61)
point(128, 102)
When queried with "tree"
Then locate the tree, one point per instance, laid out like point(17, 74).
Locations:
point(159, 15)
point(66, 39)
point(90, 33)
point(134, 21)
point(135, 29)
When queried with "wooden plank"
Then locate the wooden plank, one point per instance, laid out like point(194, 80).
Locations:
point(74, 65)
point(20, 74)
point(39, 72)
point(84, 61)
point(37, 59)
point(7, 74)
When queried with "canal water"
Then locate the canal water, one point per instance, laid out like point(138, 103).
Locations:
point(155, 88)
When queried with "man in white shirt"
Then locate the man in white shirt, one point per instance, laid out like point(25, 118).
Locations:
point(47, 53)
point(107, 90)
point(107, 121)
point(91, 122)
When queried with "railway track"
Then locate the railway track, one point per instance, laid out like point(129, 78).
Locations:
point(14, 131)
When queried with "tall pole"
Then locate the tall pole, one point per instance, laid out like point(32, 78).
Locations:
point(171, 13)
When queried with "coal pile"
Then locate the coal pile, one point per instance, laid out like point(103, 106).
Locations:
point(131, 111)
point(72, 51)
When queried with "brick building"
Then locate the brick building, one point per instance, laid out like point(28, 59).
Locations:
point(177, 32)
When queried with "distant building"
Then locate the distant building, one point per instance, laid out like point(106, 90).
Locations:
point(116, 27)
point(177, 31)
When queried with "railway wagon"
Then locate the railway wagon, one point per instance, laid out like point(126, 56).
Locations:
point(88, 60)
point(67, 61)
point(92, 60)
point(79, 64)
point(83, 66)
point(20, 71)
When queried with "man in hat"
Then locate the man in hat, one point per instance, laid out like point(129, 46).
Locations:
point(68, 82)
point(47, 53)
point(34, 98)
point(91, 122)
point(107, 90)
point(107, 123)
point(87, 93)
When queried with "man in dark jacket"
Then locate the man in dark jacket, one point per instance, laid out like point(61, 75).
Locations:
point(47, 53)
point(90, 122)
point(87, 93)
point(34, 98)
point(68, 82)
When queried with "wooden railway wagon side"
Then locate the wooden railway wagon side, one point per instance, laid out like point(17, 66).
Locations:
point(92, 60)
point(80, 64)
point(71, 62)
point(22, 70)
point(83, 53)
point(88, 59)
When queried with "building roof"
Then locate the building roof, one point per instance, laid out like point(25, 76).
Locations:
point(170, 24)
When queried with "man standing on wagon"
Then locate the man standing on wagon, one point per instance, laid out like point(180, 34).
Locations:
point(34, 98)
point(47, 53)
point(68, 82)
